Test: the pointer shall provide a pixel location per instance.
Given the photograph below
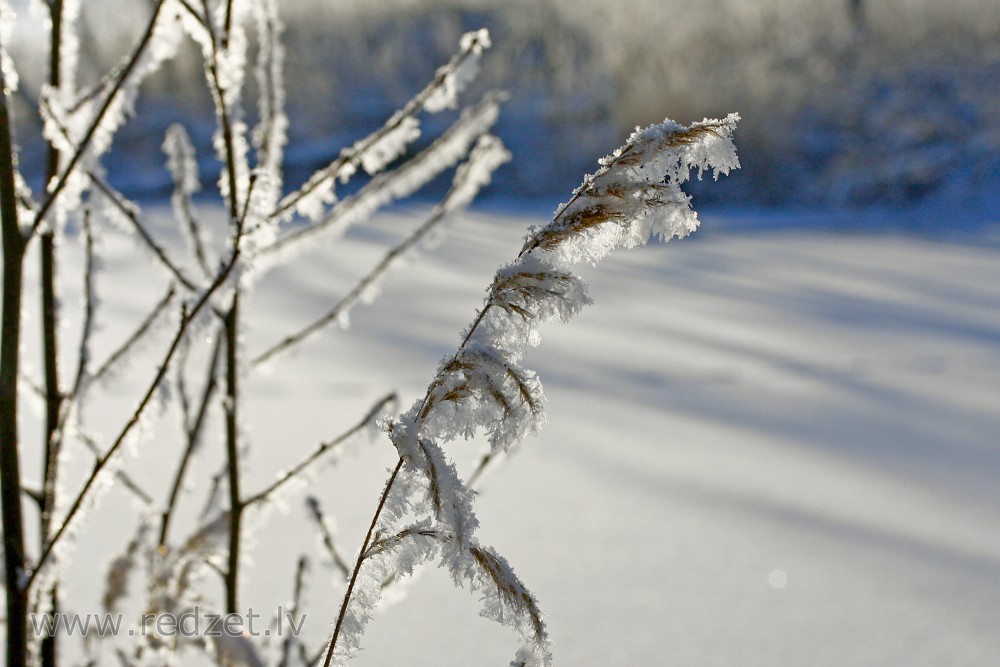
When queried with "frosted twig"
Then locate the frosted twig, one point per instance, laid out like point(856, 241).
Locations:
point(183, 166)
point(349, 159)
point(413, 174)
point(300, 574)
point(89, 304)
point(212, 497)
point(464, 187)
point(144, 327)
point(323, 449)
point(123, 76)
point(120, 475)
point(316, 514)
point(270, 135)
point(131, 214)
point(187, 317)
point(360, 560)
point(192, 432)
point(129, 210)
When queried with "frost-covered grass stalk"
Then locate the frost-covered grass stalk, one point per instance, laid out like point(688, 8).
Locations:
point(425, 510)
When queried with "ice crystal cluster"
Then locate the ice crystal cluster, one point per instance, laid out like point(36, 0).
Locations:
point(483, 387)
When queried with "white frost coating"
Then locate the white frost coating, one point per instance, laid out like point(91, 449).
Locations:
point(231, 55)
point(385, 188)
point(389, 146)
point(441, 93)
point(69, 49)
point(183, 167)
point(156, 324)
point(315, 196)
point(181, 161)
point(389, 563)
point(26, 204)
point(271, 134)
point(458, 74)
point(225, 59)
point(635, 194)
point(470, 176)
point(477, 172)
point(240, 149)
point(161, 46)
point(91, 127)
point(8, 20)
point(115, 211)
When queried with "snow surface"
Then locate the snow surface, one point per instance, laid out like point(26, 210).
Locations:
point(774, 447)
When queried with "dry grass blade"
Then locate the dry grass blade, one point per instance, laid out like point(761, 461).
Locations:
point(509, 587)
point(577, 223)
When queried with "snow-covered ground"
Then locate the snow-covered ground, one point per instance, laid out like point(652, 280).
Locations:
point(765, 447)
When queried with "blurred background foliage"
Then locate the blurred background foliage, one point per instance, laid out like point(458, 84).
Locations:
point(844, 102)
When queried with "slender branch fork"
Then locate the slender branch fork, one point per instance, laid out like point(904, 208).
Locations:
point(231, 316)
point(123, 76)
point(188, 316)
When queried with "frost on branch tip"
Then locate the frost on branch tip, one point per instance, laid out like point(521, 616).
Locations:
point(376, 151)
point(460, 72)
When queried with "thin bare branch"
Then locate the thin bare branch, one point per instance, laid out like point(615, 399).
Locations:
point(182, 163)
point(316, 514)
point(74, 160)
point(144, 327)
point(410, 176)
point(87, 328)
point(223, 114)
point(131, 214)
point(323, 449)
point(193, 433)
point(120, 475)
point(300, 573)
point(236, 504)
point(360, 559)
point(188, 316)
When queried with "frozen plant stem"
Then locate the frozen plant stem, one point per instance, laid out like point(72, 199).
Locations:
point(300, 574)
point(188, 316)
point(10, 337)
point(50, 348)
point(123, 76)
point(320, 451)
point(193, 433)
point(362, 553)
point(236, 505)
point(635, 194)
